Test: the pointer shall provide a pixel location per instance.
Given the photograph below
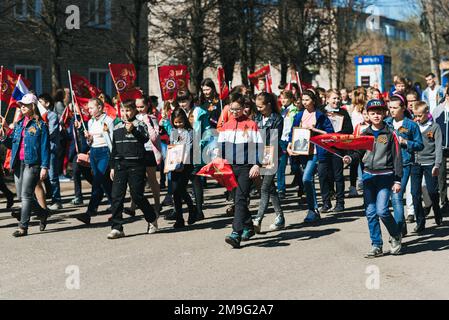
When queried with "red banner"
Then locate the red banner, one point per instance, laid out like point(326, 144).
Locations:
point(221, 171)
point(8, 80)
point(222, 85)
point(333, 142)
point(172, 80)
point(124, 77)
point(83, 88)
point(262, 73)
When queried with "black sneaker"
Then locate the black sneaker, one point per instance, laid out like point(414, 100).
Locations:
point(16, 214)
point(179, 224)
point(419, 229)
point(20, 233)
point(411, 219)
point(234, 240)
point(84, 218)
point(43, 222)
point(339, 208)
point(326, 209)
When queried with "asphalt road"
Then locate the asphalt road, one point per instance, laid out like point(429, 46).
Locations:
point(321, 261)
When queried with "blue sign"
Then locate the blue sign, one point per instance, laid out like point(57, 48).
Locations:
point(367, 60)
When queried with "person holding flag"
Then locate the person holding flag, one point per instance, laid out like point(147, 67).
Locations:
point(382, 176)
point(30, 159)
point(99, 137)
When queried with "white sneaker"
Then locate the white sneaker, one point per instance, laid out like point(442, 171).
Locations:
point(55, 206)
point(353, 192)
point(115, 234)
point(153, 227)
point(396, 245)
point(257, 226)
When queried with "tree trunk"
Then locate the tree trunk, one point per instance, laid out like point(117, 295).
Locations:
point(197, 44)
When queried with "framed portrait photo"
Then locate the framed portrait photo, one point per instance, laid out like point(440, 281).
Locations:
point(268, 157)
point(175, 157)
point(301, 141)
point(336, 120)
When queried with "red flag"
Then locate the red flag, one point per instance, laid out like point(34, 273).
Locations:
point(222, 85)
point(83, 88)
point(8, 80)
point(173, 79)
point(262, 73)
point(221, 171)
point(334, 142)
point(124, 77)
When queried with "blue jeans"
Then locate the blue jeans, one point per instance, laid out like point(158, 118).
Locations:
point(309, 165)
point(377, 192)
point(282, 166)
point(54, 178)
point(397, 199)
point(99, 161)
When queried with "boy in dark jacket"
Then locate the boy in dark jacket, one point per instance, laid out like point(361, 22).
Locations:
point(381, 177)
point(128, 167)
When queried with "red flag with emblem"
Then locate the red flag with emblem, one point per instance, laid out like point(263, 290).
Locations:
point(173, 79)
point(333, 142)
point(124, 77)
point(220, 170)
point(222, 85)
point(83, 88)
point(262, 73)
point(8, 80)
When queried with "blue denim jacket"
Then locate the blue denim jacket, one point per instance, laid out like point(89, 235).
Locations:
point(37, 143)
point(409, 131)
point(322, 123)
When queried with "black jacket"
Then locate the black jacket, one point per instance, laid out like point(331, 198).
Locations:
point(129, 146)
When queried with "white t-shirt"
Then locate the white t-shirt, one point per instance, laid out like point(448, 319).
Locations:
point(433, 97)
point(397, 124)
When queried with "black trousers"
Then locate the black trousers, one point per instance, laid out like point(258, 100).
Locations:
point(132, 174)
point(179, 181)
point(242, 216)
point(332, 164)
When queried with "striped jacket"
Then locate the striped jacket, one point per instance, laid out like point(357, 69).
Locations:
point(129, 146)
point(241, 142)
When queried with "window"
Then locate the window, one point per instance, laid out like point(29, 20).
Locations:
point(32, 73)
point(390, 31)
point(101, 78)
point(25, 9)
point(99, 13)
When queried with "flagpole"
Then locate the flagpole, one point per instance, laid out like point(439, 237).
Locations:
point(271, 75)
point(118, 92)
point(328, 150)
point(299, 82)
point(1, 90)
point(230, 86)
point(158, 79)
point(73, 101)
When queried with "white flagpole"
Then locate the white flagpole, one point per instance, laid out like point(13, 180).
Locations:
point(73, 101)
point(158, 79)
point(299, 82)
point(271, 75)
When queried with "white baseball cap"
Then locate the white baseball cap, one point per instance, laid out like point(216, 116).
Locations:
point(29, 98)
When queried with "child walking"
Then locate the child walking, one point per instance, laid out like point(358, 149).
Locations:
point(128, 168)
point(381, 177)
point(427, 164)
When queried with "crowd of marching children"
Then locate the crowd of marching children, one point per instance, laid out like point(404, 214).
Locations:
point(408, 160)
